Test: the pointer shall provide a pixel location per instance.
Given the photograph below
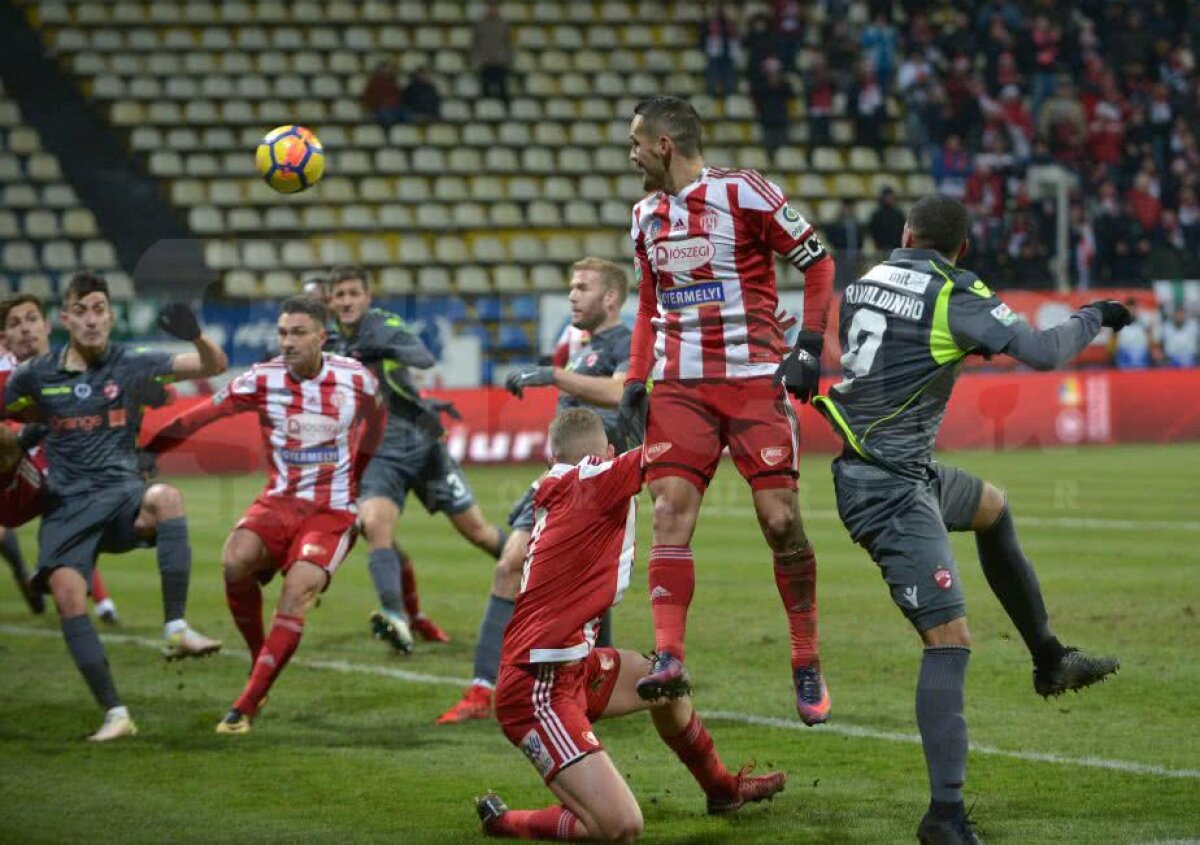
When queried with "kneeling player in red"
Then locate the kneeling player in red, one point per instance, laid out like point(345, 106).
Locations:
point(553, 684)
point(303, 525)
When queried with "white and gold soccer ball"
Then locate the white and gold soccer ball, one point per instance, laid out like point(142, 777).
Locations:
point(290, 159)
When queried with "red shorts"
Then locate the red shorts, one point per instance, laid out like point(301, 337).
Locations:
point(547, 709)
point(295, 529)
point(21, 496)
point(691, 421)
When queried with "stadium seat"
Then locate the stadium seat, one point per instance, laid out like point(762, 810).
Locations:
point(244, 220)
point(359, 218)
point(547, 277)
point(298, 255)
point(41, 225)
point(508, 277)
point(19, 256)
point(79, 223)
point(259, 255)
point(36, 284)
point(488, 249)
point(471, 279)
point(512, 338)
point(394, 217)
point(9, 227)
point(414, 250)
point(524, 308)
point(374, 252)
point(396, 280)
point(279, 283)
point(120, 286)
point(433, 280)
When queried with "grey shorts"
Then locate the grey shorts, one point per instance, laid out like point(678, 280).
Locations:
point(76, 529)
point(904, 524)
point(429, 472)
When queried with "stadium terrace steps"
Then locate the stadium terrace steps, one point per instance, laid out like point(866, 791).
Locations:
point(125, 202)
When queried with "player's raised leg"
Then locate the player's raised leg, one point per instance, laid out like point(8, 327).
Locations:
point(672, 575)
point(69, 589)
point(161, 518)
point(476, 702)
point(612, 692)
point(379, 516)
point(1057, 668)
point(301, 586)
point(243, 558)
point(474, 527)
point(796, 579)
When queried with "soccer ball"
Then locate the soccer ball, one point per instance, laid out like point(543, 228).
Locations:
point(290, 159)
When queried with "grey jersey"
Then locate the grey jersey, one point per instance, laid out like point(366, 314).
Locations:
point(905, 328)
point(606, 354)
point(93, 424)
point(385, 343)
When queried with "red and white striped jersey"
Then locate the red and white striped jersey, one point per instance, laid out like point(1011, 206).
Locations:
point(570, 341)
point(309, 426)
point(705, 269)
point(579, 560)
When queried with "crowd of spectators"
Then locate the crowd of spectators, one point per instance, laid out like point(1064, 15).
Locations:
point(988, 89)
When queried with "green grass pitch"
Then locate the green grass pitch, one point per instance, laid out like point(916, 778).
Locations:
point(347, 750)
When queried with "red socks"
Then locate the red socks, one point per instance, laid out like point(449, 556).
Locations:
point(796, 578)
point(694, 748)
point(408, 582)
point(99, 591)
point(245, 603)
point(556, 823)
point(672, 582)
point(280, 646)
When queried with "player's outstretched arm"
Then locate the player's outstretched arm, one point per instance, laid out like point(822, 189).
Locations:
point(178, 320)
point(390, 339)
point(605, 391)
point(184, 426)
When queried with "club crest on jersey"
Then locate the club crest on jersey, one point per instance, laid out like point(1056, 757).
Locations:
point(943, 579)
point(591, 360)
point(683, 256)
point(773, 455)
point(339, 398)
point(111, 390)
point(535, 750)
point(790, 221)
point(654, 228)
point(82, 390)
point(606, 662)
point(654, 451)
point(708, 221)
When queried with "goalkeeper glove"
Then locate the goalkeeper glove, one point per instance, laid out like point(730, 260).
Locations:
point(178, 320)
point(1113, 314)
point(800, 371)
point(531, 377)
point(631, 413)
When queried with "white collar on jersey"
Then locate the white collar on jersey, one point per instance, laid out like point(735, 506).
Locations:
point(320, 373)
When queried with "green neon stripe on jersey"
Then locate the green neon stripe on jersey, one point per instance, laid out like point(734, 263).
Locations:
point(389, 367)
point(942, 347)
point(19, 404)
point(55, 391)
point(825, 405)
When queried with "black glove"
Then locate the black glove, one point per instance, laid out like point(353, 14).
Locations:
point(631, 414)
point(148, 391)
point(30, 435)
point(530, 377)
point(440, 406)
point(178, 320)
point(800, 371)
point(1113, 314)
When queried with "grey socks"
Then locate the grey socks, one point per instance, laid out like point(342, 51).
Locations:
point(491, 638)
point(1012, 579)
point(384, 566)
point(88, 654)
point(941, 720)
point(174, 566)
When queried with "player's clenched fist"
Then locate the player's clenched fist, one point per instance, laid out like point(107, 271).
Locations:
point(1113, 314)
point(800, 371)
point(178, 320)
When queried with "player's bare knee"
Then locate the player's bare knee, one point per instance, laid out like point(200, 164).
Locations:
point(672, 517)
point(991, 504)
point(506, 577)
point(164, 501)
point(952, 633)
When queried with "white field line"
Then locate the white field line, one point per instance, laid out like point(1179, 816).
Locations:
point(1095, 523)
point(857, 731)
